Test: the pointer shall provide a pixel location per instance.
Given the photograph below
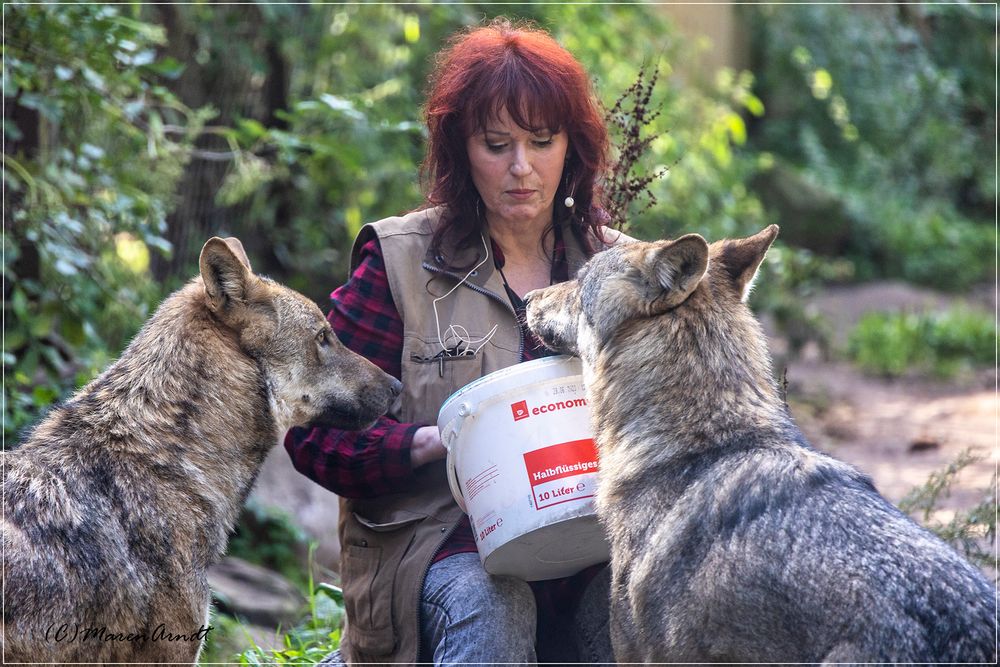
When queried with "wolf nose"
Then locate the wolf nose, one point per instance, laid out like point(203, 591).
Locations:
point(395, 387)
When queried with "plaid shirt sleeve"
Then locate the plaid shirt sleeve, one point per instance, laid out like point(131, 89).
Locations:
point(361, 464)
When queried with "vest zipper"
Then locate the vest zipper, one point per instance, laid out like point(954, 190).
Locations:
point(426, 569)
point(496, 297)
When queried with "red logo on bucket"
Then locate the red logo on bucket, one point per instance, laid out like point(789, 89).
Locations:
point(561, 473)
point(520, 410)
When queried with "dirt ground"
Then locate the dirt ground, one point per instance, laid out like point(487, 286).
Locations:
point(898, 431)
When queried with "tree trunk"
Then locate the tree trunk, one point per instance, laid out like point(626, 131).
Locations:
point(228, 82)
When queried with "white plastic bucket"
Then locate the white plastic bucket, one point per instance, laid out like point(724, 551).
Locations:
point(522, 464)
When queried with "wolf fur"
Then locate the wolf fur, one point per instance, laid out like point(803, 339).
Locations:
point(120, 499)
point(732, 540)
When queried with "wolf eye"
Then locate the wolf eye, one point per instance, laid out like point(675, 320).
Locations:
point(323, 338)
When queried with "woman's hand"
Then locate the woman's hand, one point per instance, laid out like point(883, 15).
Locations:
point(427, 446)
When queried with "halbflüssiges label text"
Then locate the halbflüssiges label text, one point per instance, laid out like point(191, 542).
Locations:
point(75, 632)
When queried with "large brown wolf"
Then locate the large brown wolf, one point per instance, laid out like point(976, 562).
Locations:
point(732, 540)
point(119, 500)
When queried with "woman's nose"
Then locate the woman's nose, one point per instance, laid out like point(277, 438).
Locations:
point(520, 166)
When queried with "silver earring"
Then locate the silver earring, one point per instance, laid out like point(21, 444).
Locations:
point(569, 201)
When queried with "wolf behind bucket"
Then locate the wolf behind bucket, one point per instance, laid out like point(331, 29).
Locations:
point(732, 539)
point(119, 499)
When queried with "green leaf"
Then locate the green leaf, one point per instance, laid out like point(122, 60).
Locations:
point(44, 396)
point(71, 330)
point(252, 128)
point(753, 105)
point(43, 105)
point(92, 151)
point(340, 104)
point(168, 67)
point(411, 28)
point(335, 592)
point(41, 325)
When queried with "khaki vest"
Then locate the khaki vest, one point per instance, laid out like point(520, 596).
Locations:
point(387, 543)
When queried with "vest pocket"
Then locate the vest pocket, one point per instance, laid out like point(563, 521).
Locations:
point(368, 604)
point(429, 377)
point(370, 562)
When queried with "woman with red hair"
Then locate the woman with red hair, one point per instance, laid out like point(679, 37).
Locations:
point(516, 149)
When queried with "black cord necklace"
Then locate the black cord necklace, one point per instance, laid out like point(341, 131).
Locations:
point(516, 300)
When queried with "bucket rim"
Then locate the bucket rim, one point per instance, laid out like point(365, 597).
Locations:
point(517, 369)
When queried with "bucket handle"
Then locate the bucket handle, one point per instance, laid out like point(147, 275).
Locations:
point(456, 489)
point(449, 434)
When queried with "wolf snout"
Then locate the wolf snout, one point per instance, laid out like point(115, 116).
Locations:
point(531, 295)
point(377, 397)
point(378, 393)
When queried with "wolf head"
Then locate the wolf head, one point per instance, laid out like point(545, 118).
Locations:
point(312, 379)
point(679, 302)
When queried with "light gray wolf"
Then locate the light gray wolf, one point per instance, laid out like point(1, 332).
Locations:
point(117, 502)
point(732, 540)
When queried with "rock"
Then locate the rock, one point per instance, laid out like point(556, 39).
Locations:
point(254, 594)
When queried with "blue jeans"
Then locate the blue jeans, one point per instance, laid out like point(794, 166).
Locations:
point(469, 616)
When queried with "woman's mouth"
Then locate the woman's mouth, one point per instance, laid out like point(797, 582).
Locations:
point(520, 194)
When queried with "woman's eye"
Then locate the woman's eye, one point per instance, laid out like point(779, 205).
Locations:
point(543, 142)
point(495, 148)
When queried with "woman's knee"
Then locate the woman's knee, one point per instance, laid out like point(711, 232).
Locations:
point(460, 587)
point(468, 615)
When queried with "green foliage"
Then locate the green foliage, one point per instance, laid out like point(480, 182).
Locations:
point(93, 146)
point(971, 532)
point(307, 643)
point(269, 537)
point(699, 132)
point(313, 639)
point(226, 639)
point(705, 189)
point(939, 343)
point(348, 149)
point(938, 248)
point(881, 112)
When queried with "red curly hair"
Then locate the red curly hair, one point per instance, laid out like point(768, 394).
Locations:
point(524, 70)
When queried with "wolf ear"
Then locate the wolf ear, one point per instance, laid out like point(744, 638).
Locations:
point(237, 248)
point(742, 258)
point(225, 270)
point(674, 268)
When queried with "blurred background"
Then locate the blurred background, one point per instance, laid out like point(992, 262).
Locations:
point(132, 133)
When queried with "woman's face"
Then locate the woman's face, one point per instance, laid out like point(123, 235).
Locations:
point(516, 171)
